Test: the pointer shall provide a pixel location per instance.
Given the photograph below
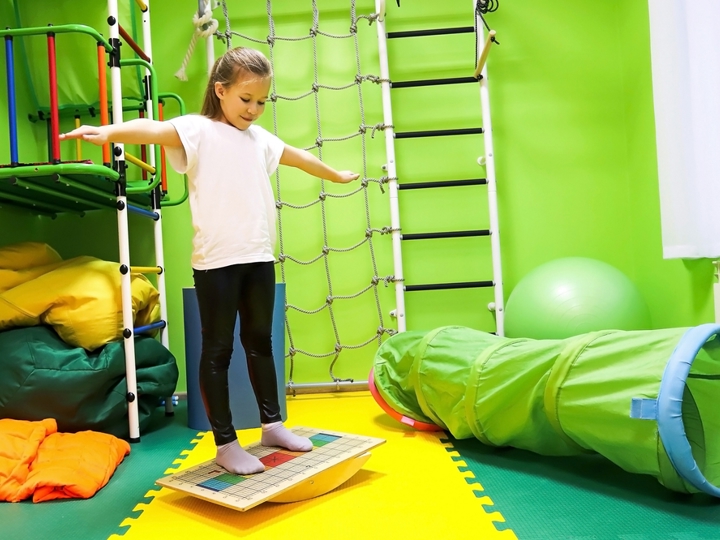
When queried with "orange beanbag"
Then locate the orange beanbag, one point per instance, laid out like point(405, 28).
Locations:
point(36, 461)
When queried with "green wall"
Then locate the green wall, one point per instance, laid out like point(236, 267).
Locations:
point(571, 99)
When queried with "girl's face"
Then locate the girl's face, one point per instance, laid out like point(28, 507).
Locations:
point(243, 102)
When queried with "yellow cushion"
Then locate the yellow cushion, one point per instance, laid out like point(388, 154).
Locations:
point(80, 298)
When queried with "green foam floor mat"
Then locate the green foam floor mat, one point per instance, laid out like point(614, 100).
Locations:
point(583, 498)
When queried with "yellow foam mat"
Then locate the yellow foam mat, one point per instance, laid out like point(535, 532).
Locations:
point(410, 488)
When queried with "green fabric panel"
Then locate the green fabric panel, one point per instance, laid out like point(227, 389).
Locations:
point(44, 377)
point(668, 476)
point(393, 362)
point(704, 383)
point(77, 69)
point(705, 393)
point(706, 450)
point(695, 432)
point(510, 402)
point(441, 372)
point(596, 396)
point(560, 371)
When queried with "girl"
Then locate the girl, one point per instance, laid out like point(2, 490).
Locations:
point(229, 161)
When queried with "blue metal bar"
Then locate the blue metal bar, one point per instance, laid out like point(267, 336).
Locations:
point(12, 108)
point(147, 328)
point(143, 212)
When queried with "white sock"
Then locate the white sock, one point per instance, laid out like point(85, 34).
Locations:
point(234, 459)
point(276, 434)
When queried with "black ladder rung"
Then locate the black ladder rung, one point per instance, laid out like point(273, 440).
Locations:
point(448, 234)
point(438, 133)
point(444, 286)
point(444, 183)
point(434, 82)
point(432, 32)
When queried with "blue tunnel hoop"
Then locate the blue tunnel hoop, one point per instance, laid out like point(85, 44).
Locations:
point(669, 406)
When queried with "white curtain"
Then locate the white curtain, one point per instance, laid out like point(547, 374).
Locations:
point(685, 48)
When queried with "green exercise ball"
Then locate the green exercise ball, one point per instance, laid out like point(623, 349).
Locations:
point(572, 296)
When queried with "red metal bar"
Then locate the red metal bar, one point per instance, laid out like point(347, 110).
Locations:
point(134, 46)
point(163, 170)
point(104, 116)
point(54, 113)
point(143, 150)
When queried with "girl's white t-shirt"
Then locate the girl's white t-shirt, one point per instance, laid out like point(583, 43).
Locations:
point(231, 198)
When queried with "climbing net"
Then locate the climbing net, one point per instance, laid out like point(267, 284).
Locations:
point(324, 198)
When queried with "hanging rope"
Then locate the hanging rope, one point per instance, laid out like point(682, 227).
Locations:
point(483, 7)
point(487, 6)
point(205, 26)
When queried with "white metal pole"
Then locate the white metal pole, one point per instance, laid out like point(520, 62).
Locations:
point(391, 168)
point(499, 302)
point(147, 48)
point(160, 261)
point(157, 227)
point(159, 257)
point(716, 290)
point(162, 291)
point(209, 42)
point(123, 231)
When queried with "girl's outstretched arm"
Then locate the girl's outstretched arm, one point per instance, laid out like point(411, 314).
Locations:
point(304, 160)
point(138, 131)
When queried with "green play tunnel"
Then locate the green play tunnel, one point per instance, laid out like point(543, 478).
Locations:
point(646, 400)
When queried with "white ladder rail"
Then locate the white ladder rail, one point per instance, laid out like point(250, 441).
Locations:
point(391, 169)
point(499, 302)
point(123, 232)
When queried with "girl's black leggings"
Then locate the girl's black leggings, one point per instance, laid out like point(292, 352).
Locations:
point(222, 293)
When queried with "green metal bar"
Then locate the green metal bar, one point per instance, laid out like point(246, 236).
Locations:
point(133, 18)
point(154, 97)
point(138, 186)
point(182, 199)
point(184, 196)
point(176, 97)
point(83, 187)
point(70, 110)
point(60, 29)
point(85, 169)
point(55, 193)
point(24, 200)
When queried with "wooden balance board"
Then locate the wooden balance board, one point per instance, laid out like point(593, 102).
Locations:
point(288, 477)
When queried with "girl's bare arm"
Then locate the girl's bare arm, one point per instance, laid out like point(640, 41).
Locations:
point(138, 131)
point(304, 160)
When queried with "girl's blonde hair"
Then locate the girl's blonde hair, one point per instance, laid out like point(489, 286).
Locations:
point(228, 69)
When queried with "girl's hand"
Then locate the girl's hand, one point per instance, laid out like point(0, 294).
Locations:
point(345, 177)
point(93, 134)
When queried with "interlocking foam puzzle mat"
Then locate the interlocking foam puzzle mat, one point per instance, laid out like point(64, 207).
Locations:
point(409, 488)
point(417, 485)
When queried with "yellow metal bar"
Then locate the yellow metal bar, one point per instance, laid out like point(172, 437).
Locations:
point(146, 269)
point(142, 5)
point(78, 145)
point(140, 163)
point(485, 52)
